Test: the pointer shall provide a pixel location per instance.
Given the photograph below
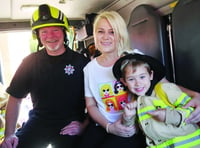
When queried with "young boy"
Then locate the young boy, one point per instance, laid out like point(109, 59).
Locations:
point(158, 106)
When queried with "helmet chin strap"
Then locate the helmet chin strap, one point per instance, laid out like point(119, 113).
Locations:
point(39, 42)
point(66, 41)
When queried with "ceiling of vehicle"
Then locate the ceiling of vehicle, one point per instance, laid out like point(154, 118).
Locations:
point(19, 12)
point(74, 9)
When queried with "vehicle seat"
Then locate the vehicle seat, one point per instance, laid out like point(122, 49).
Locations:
point(148, 34)
point(186, 40)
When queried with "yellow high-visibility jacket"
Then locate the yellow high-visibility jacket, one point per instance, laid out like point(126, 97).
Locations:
point(174, 132)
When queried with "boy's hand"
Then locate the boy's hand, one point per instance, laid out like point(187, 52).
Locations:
point(130, 109)
point(159, 115)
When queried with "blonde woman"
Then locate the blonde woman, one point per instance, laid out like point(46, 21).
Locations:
point(105, 97)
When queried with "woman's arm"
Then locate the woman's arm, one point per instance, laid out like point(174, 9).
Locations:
point(94, 112)
point(115, 128)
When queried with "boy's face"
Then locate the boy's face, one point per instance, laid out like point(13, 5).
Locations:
point(138, 81)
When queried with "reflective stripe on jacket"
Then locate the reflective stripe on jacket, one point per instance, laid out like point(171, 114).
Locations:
point(189, 141)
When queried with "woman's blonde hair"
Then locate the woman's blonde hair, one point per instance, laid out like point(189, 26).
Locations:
point(119, 27)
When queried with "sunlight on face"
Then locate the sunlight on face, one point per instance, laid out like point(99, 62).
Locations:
point(104, 36)
point(52, 37)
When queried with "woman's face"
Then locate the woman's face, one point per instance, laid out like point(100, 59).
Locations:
point(139, 81)
point(105, 38)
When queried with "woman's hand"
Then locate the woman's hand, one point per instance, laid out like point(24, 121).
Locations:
point(118, 129)
point(195, 116)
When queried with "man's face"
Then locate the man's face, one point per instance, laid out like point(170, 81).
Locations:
point(52, 38)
